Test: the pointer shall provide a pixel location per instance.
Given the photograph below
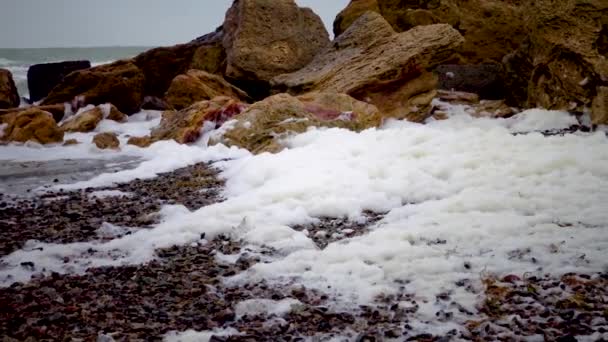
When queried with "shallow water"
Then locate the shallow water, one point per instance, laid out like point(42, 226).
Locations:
point(23, 179)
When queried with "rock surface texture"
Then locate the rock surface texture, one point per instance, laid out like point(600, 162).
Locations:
point(198, 85)
point(266, 38)
point(185, 126)
point(30, 125)
point(42, 78)
point(373, 63)
point(120, 83)
point(106, 141)
point(563, 64)
point(9, 97)
point(492, 28)
point(260, 128)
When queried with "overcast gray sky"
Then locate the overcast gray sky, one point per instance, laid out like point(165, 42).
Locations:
point(69, 23)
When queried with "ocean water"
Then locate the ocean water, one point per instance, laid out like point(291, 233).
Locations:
point(19, 60)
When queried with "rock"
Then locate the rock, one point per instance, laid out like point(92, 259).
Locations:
point(106, 140)
point(198, 85)
point(457, 97)
point(372, 63)
point(263, 123)
point(70, 142)
point(154, 103)
point(486, 80)
point(87, 120)
point(42, 78)
point(210, 56)
point(140, 141)
point(185, 126)
point(120, 83)
point(58, 110)
point(491, 28)
point(599, 109)
point(161, 65)
point(9, 97)
point(266, 38)
point(492, 109)
point(563, 64)
point(30, 125)
point(352, 12)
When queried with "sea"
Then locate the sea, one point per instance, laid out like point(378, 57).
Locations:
point(19, 60)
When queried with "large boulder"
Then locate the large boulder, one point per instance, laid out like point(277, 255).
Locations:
point(42, 78)
point(185, 126)
point(492, 28)
point(87, 120)
point(261, 126)
point(198, 85)
point(210, 56)
point(563, 64)
point(266, 38)
point(373, 63)
point(120, 83)
point(30, 125)
point(161, 65)
point(9, 97)
point(352, 12)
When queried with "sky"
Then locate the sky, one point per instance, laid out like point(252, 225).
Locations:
point(70, 23)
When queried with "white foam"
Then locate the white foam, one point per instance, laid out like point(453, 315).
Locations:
point(467, 181)
point(266, 307)
point(198, 336)
point(2, 128)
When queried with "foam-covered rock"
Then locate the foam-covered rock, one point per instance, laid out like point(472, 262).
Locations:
point(120, 83)
point(185, 126)
point(9, 97)
point(30, 125)
point(263, 124)
point(198, 85)
point(87, 120)
point(373, 63)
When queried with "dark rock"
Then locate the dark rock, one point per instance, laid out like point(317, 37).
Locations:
point(42, 78)
point(154, 103)
point(486, 80)
point(9, 97)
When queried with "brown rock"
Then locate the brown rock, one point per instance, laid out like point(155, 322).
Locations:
point(106, 140)
point(110, 112)
point(265, 38)
point(198, 85)
point(120, 83)
point(140, 141)
point(352, 12)
point(457, 97)
point(161, 65)
point(599, 109)
point(85, 121)
point(88, 120)
point(185, 126)
point(210, 58)
point(58, 110)
point(492, 28)
point(30, 125)
point(9, 97)
point(563, 64)
point(372, 63)
point(70, 142)
point(259, 127)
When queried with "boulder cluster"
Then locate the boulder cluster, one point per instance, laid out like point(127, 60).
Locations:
point(272, 67)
